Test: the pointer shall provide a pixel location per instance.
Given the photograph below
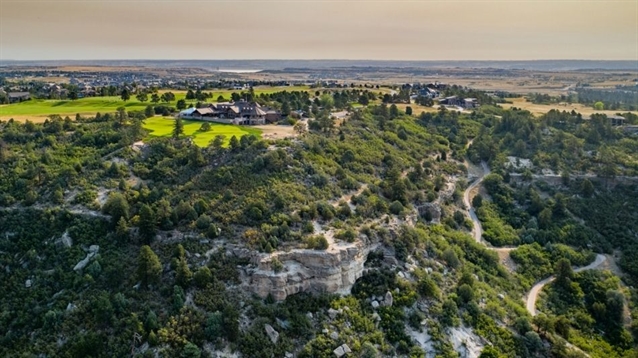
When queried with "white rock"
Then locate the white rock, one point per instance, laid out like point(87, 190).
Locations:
point(376, 317)
point(66, 239)
point(94, 248)
point(401, 274)
point(375, 304)
point(334, 335)
point(288, 355)
point(387, 301)
point(346, 348)
point(332, 313)
point(309, 315)
point(339, 352)
point(325, 331)
point(28, 283)
point(71, 307)
point(272, 334)
point(82, 264)
point(501, 296)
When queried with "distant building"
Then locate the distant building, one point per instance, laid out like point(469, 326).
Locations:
point(240, 112)
point(15, 97)
point(631, 129)
point(450, 101)
point(469, 103)
point(429, 93)
point(616, 120)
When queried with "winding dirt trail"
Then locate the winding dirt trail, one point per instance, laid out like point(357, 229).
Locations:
point(477, 234)
point(538, 287)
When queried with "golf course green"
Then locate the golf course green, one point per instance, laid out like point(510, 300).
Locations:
point(37, 110)
point(163, 127)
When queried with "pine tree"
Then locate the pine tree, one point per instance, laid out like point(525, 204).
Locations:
point(183, 274)
point(147, 223)
point(121, 230)
point(149, 267)
point(178, 129)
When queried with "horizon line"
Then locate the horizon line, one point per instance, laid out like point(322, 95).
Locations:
point(317, 59)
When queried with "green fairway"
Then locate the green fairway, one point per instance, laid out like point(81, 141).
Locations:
point(163, 127)
point(41, 108)
point(38, 109)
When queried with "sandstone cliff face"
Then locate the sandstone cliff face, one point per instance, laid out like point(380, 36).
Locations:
point(332, 271)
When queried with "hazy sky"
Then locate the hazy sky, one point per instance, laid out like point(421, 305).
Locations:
point(319, 29)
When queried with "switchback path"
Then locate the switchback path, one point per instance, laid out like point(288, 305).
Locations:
point(477, 234)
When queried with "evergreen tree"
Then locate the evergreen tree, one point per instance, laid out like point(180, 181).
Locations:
point(178, 128)
point(121, 230)
point(117, 206)
point(183, 274)
point(125, 95)
point(147, 223)
point(149, 111)
point(149, 267)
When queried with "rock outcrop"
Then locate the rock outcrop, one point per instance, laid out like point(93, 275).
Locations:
point(333, 271)
point(272, 334)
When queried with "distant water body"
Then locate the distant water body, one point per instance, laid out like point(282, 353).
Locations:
point(237, 71)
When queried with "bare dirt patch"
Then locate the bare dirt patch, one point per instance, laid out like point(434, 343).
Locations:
point(271, 131)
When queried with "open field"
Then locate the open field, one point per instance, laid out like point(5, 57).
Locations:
point(39, 110)
point(163, 127)
point(538, 109)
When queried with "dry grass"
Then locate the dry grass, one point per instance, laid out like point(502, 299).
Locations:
point(539, 109)
point(416, 109)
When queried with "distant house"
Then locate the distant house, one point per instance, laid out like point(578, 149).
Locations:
point(240, 112)
point(450, 101)
point(616, 120)
point(429, 93)
point(272, 116)
point(469, 103)
point(631, 129)
point(18, 96)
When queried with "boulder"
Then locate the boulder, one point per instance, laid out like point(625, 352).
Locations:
point(28, 283)
point(334, 335)
point(387, 301)
point(272, 334)
point(332, 313)
point(375, 304)
point(346, 348)
point(339, 352)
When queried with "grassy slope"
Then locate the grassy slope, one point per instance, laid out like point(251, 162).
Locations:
point(163, 127)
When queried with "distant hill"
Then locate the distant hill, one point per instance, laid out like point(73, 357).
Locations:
point(539, 65)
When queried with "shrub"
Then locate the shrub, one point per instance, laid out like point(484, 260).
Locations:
point(318, 242)
point(396, 207)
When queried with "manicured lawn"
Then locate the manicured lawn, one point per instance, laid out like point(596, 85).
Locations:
point(38, 110)
point(42, 108)
point(163, 127)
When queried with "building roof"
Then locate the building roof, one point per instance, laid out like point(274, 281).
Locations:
point(203, 111)
point(18, 94)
